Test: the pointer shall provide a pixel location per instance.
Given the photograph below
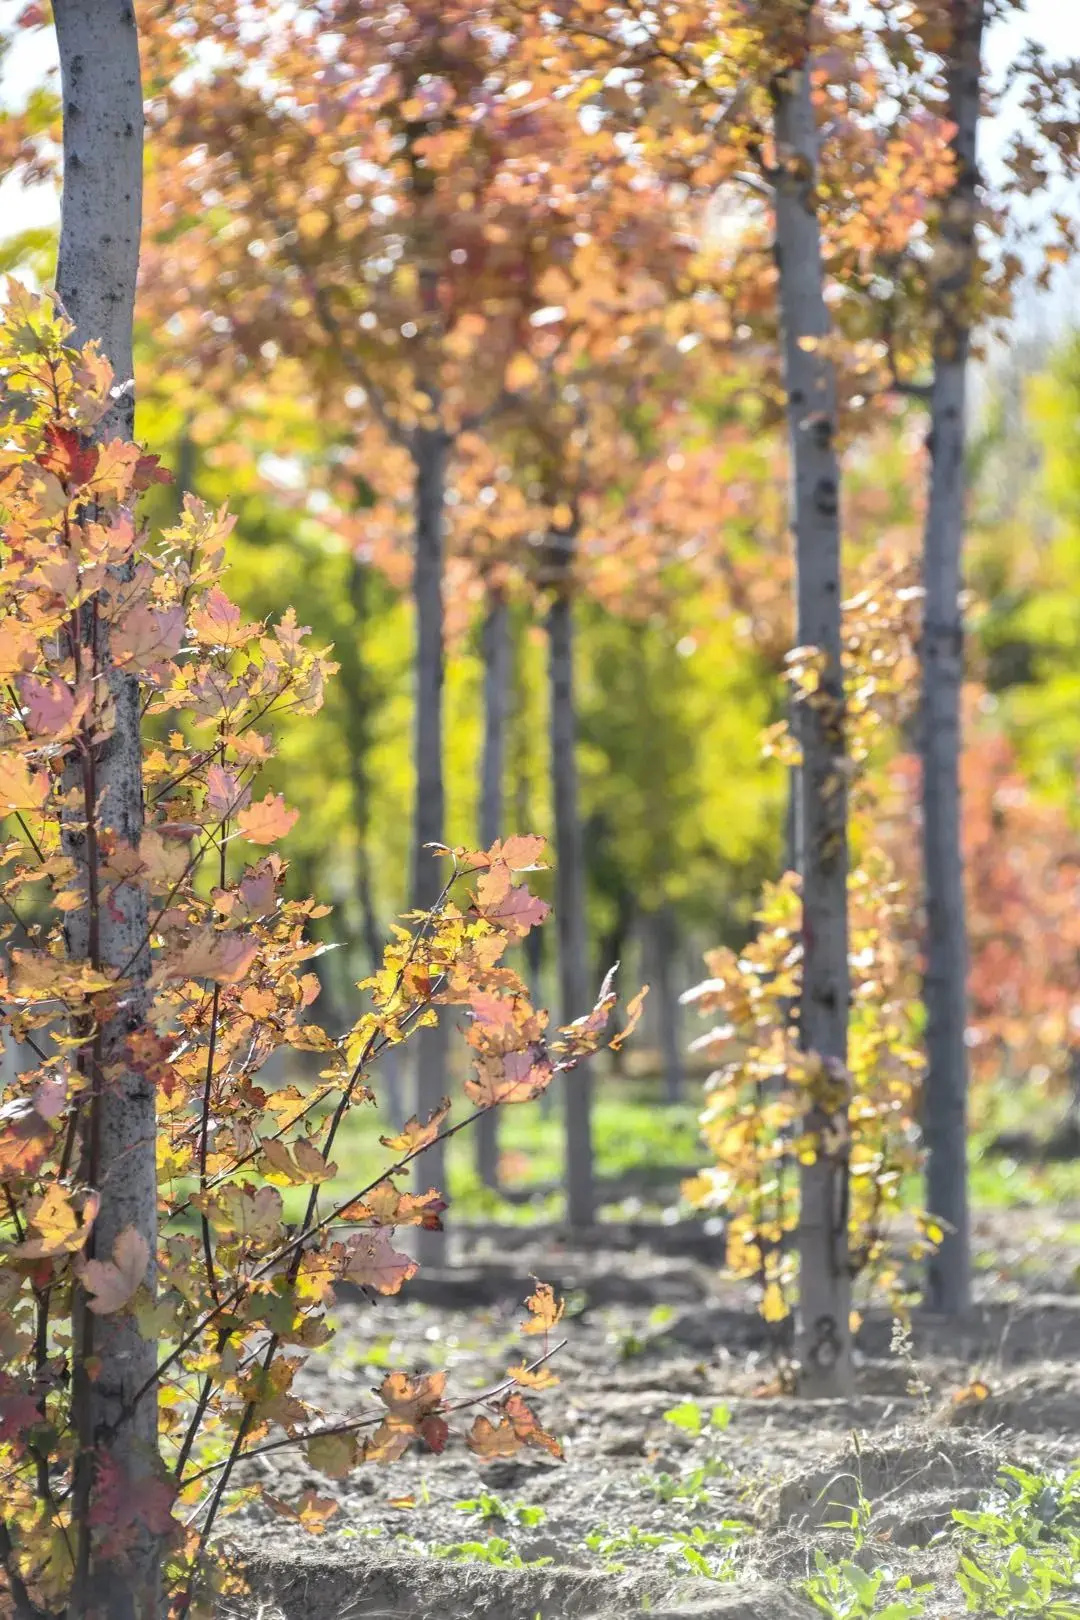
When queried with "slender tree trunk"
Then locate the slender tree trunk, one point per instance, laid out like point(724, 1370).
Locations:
point(821, 812)
point(357, 690)
point(431, 451)
point(666, 936)
point(95, 279)
point(570, 915)
point(497, 682)
point(945, 985)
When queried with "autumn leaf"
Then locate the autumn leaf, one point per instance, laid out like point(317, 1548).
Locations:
point(334, 1455)
point(515, 1078)
point(225, 794)
point(413, 1137)
point(267, 821)
point(510, 907)
point(373, 1262)
point(113, 1282)
point(61, 1226)
point(489, 1441)
point(311, 1510)
point(21, 788)
point(633, 1014)
point(68, 455)
point(217, 622)
point(50, 706)
point(545, 1311)
point(521, 853)
point(147, 637)
point(412, 1412)
point(18, 1410)
point(537, 1378)
point(122, 1500)
point(223, 957)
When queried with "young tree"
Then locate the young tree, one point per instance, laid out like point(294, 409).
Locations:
point(821, 803)
point(570, 874)
point(101, 221)
point(497, 650)
point(953, 276)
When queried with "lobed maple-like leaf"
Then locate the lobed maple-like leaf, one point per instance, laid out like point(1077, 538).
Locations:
point(267, 821)
point(112, 1283)
point(414, 1136)
point(516, 1077)
point(371, 1261)
point(545, 1311)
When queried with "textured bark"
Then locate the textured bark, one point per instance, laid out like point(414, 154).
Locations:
point(356, 688)
point(821, 805)
point(945, 983)
point(95, 279)
point(570, 920)
point(430, 450)
point(497, 673)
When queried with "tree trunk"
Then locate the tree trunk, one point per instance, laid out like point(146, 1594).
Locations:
point(945, 984)
point(821, 812)
point(430, 450)
point(95, 280)
point(569, 883)
point(356, 687)
point(497, 674)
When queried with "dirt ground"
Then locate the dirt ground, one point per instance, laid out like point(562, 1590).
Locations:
point(642, 1515)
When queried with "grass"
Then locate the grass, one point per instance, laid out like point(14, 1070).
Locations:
point(635, 1137)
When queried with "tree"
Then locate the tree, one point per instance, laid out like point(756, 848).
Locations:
point(821, 802)
point(95, 280)
point(250, 1240)
point(496, 651)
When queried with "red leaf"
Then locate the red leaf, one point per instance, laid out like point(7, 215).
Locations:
point(67, 455)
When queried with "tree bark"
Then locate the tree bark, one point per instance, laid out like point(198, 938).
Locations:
point(570, 916)
point(431, 452)
point(824, 1338)
point(356, 687)
point(497, 675)
point(95, 280)
point(945, 982)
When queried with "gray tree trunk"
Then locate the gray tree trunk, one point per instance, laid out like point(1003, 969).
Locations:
point(357, 690)
point(497, 686)
point(945, 984)
point(570, 914)
point(824, 1338)
point(95, 279)
point(431, 452)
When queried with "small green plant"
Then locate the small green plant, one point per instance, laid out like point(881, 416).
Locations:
point(1021, 1551)
point(495, 1551)
point(844, 1591)
point(683, 1547)
point(689, 1487)
point(492, 1509)
point(689, 1417)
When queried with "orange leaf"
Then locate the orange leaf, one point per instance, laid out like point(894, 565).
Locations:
point(414, 1136)
point(267, 821)
point(545, 1311)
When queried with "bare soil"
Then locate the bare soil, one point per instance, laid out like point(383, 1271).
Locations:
point(649, 1327)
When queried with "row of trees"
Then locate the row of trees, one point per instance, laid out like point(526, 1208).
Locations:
point(526, 267)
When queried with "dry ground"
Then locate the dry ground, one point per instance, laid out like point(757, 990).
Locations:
point(643, 1516)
